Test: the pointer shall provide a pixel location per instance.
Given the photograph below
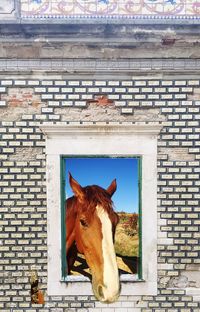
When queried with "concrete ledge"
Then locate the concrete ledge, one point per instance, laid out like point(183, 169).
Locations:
point(105, 66)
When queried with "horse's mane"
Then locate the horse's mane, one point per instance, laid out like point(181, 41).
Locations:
point(94, 195)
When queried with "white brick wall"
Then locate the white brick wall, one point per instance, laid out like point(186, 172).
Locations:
point(22, 183)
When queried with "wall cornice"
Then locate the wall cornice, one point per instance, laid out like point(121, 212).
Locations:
point(72, 66)
point(99, 128)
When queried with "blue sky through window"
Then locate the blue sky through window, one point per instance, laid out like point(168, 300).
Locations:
point(101, 171)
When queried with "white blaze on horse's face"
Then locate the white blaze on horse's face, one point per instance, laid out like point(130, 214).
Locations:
point(109, 291)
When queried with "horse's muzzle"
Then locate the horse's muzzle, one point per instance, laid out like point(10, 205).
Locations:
point(104, 294)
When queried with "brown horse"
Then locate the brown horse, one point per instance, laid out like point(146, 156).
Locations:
point(90, 228)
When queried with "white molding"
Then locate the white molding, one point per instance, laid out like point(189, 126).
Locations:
point(99, 128)
point(115, 140)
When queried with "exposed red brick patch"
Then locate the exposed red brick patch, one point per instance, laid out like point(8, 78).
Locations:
point(40, 297)
point(20, 97)
point(36, 103)
point(14, 102)
point(37, 296)
point(101, 100)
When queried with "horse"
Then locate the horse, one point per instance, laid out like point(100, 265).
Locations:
point(90, 229)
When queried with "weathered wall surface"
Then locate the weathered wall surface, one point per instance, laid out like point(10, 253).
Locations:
point(30, 98)
point(97, 41)
point(25, 104)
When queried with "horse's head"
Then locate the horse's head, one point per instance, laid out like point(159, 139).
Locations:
point(94, 234)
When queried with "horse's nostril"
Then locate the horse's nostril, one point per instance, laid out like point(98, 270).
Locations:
point(100, 291)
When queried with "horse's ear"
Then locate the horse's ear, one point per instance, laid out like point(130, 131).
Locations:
point(76, 188)
point(112, 188)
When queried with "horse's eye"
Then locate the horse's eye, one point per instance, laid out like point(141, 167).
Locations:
point(83, 223)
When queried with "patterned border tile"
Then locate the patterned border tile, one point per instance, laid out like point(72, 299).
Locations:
point(137, 9)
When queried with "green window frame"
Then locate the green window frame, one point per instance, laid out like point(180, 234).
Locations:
point(63, 199)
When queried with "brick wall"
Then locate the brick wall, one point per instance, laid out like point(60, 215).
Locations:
point(24, 105)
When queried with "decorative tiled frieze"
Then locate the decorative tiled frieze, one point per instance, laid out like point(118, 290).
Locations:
point(7, 8)
point(109, 9)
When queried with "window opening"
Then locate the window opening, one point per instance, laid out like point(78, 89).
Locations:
point(101, 171)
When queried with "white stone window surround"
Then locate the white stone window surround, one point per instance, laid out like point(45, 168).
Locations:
point(102, 139)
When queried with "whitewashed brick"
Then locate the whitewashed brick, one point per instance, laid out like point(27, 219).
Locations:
point(27, 117)
point(73, 83)
point(40, 90)
point(146, 90)
point(126, 96)
point(120, 103)
point(67, 90)
point(79, 90)
point(133, 90)
point(160, 90)
point(94, 90)
point(47, 110)
point(113, 83)
point(133, 103)
point(153, 96)
point(160, 103)
point(90, 83)
point(127, 83)
point(127, 110)
point(3, 103)
point(7, 123)
point(193, 82)
point(60, 96)
point(6, 82)
point(100, 83)
point(114, 96)
point(174, 90)
point(187, 89)
point(53, 103)
point(53, 89)
point(180, 96)
point(140, 96)
point(2, 89)
point(40, 117)
point(167, 96)
point(67, 103)
point(167, 82)
point(165, 266)
point(47, 82)
point(80, 103)
point(106, 90)
point(140, 83)
point(180, 82)
point(19, 82)
point(33, 82)
point(146, 103)
point(54, 117)
point(153, 83)
point(46, 96)
point(73, 96)
point(60, 83)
